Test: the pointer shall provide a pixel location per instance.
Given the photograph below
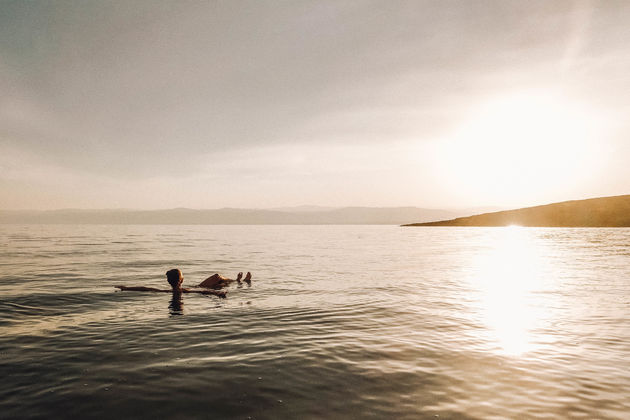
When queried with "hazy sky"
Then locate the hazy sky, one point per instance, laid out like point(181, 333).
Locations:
point(210, 104)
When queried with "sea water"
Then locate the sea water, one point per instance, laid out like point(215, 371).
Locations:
point(339, 322)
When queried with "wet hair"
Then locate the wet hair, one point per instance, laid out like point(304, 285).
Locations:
point(173, 277)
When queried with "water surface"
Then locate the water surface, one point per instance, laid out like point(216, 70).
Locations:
point(340, 322)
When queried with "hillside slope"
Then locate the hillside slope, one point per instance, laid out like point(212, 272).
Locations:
point(594, 212)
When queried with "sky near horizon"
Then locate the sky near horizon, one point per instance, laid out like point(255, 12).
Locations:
point(440, 104)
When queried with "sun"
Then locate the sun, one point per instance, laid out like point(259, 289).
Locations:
point(520, 146)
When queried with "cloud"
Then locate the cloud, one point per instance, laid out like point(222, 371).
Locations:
point(141, 90)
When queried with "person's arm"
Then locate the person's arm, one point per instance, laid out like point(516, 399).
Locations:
point(206, 292)
point(140, 289)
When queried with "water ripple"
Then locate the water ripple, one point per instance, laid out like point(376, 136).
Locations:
point(340, 322)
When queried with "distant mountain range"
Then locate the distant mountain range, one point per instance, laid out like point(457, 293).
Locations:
point(594, 212)
point(302, 215)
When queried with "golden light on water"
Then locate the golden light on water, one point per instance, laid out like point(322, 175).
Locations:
point(504, 281)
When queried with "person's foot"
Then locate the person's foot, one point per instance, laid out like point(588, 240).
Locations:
point(248, 278)
point(239, 277)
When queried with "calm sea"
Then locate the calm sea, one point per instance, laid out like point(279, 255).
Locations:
point(340, 322)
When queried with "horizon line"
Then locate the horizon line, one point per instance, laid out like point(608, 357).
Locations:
point(327, 208)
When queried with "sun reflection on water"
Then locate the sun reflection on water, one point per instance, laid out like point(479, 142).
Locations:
point(503, 281)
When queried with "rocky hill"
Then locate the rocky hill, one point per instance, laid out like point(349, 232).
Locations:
point(594, 212)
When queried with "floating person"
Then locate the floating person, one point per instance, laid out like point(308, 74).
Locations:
point(175, 278)
point(217, 281)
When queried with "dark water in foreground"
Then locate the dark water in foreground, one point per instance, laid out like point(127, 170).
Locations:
point(340, 322)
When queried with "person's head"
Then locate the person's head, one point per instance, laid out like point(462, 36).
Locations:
point(174, 278)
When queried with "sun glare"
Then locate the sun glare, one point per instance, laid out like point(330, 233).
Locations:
point(504, 282)
point(520, 146)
